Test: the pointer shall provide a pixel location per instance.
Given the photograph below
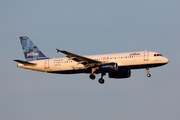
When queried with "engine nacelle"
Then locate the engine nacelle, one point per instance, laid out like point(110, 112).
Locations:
point(108, 67)
point(120, 74)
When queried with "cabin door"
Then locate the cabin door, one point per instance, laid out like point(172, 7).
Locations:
point(46, 64)
point(146, 56)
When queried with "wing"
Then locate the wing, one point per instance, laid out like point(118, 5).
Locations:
point(87, 62)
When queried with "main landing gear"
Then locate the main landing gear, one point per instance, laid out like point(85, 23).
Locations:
point(92, 76)
point(148, 74)
point(101, 80)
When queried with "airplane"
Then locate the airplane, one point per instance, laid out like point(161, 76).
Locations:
point(117, 65)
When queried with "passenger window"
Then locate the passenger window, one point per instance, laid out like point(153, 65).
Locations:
point(154, 54)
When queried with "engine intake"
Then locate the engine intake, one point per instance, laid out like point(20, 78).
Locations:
point(120, 74)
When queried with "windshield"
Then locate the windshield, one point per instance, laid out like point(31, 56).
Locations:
point(158, 55)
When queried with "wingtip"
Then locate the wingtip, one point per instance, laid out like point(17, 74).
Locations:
point(15, 60)
point(58, 50)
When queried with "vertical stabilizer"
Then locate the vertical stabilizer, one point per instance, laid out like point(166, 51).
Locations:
point(31, 51)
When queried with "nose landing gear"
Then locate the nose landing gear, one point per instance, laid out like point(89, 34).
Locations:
point(148, 74)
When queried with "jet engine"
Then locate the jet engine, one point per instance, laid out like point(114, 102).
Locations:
point(120, 74)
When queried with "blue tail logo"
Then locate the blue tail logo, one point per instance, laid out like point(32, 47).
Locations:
point(31, 51)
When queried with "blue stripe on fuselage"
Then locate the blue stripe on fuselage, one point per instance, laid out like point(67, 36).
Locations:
point(141, 66)
point(119, 68)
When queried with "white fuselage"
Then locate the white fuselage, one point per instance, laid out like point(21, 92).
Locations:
point(130, 60)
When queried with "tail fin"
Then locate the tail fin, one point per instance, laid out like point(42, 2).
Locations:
point(31, 51)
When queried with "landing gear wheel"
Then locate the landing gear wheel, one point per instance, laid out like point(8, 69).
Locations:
point(101, 80)
point(92, 76)
point(148, 75)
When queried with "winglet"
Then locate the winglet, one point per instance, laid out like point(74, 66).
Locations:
point(58, 50)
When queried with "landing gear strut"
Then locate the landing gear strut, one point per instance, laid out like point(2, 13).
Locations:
point(101, 80)
point(92, 76)
point(148, 74)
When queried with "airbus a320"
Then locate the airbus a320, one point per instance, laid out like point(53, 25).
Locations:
point(117, 65)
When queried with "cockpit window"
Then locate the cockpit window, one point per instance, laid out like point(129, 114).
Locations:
point(158, 55)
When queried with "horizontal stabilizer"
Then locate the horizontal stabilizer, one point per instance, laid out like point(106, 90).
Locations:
point(25, 63)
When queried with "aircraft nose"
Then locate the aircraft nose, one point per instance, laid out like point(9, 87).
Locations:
point(166, 60)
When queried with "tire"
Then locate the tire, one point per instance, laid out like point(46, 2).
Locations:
point(92, 76)
point(148, 75)
point(101, 80)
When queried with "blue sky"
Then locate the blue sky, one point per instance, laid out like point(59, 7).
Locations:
point(90, 27)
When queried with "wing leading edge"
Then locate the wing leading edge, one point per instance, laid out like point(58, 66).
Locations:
point(87, 62)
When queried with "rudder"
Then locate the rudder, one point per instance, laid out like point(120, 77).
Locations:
point(30, 50)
